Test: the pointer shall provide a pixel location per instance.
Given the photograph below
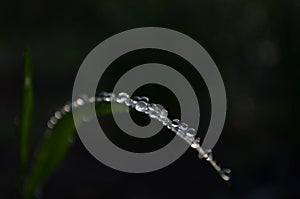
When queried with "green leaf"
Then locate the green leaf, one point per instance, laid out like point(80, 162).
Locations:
point(54, 147)
point(25, 117)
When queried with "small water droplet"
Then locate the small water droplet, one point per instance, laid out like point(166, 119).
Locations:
point(157, 111)
point(130, 102)
point(53, 120)
point(122, 97)
point(166, 121)
point(67, 108)
point(50, 125)
point(92, 99)
point(163, 113)
point(57, 115)
point(141, 106)
point(190, 132)
point(208, 156)
point(196, 143)
point(108, 97)
point(175, 124)
point(225, 174)
point(183, 126)
point(153, 111)
point(80, 102)
point(27, 81)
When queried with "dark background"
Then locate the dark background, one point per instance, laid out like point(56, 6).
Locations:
point(255, 46)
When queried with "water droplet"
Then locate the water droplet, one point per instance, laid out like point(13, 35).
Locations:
point(67, 108)
point(166, 121)
point(196, 143)
point(190, 132)
point(92, 99)
point(208, 155)
point(163, 113)
point(175, 124)
point(80, 102)
point(57, 114)
point(50, 125)
point(108, 97)
point(27, 81)
point(75, 105)
point(141, 106)
point(130, 102)
point(157, 111)
point(53, 120)
point(225, 174)
point(122, 97)
point(183, 126)
point(153, 111)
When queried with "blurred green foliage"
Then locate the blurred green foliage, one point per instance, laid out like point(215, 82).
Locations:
point(56, 141)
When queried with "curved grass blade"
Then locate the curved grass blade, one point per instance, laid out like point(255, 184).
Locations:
point(54, 147)
point(25, 117)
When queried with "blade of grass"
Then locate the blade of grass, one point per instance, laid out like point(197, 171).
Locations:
point(54, 147)
point(24, 123)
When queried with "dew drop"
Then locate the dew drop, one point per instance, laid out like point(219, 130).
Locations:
point(122, 97)
point(50, 125)
point(183, 126)
point(175, 124)
point(80, 102)
point(196, 143)
point(67, 108)
point(57, 115)
point(190, 132)
point(225, 174)
point(208, 156)
point(92, 99)
point(141, 106)
point(153, 111)
point(53, 120)
point(166, 121)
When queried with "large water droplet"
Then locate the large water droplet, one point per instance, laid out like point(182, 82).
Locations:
point(153, 113)
point(163, 113)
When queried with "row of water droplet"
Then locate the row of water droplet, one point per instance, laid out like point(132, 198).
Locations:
point(155, 111)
